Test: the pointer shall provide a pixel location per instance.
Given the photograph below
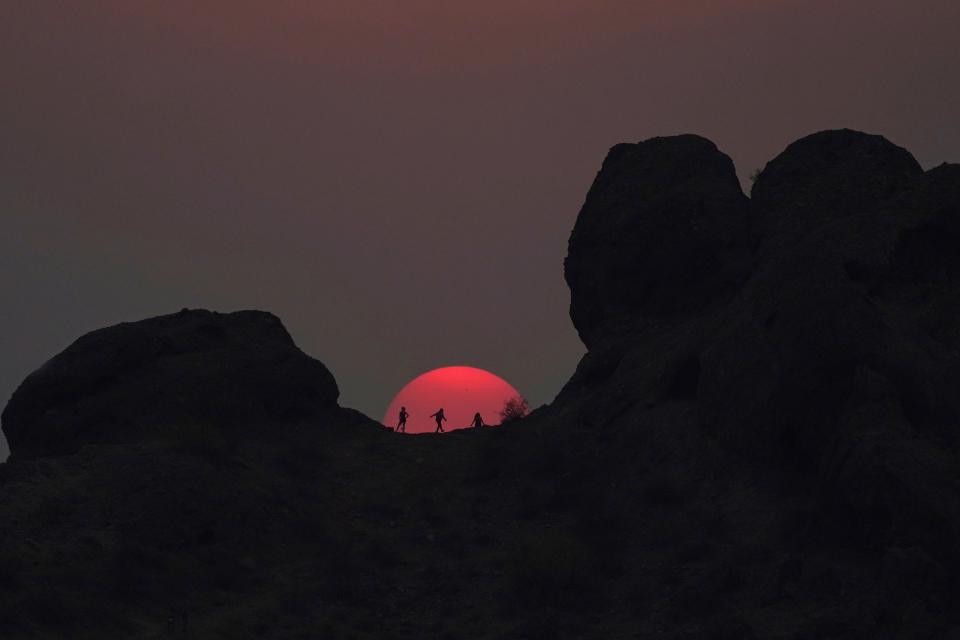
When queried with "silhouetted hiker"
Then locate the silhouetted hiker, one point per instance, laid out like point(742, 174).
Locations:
point(402, 425)
point(477, 420)
point(440, 420)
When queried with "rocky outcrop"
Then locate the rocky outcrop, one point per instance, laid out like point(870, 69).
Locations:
point(663, 231)
point(833, 368)
point(826, 177)
point(762, 441)
point(158, 378)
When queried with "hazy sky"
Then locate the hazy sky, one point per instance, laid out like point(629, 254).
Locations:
point(397, 180)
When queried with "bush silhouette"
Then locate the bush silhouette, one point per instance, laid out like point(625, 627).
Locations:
point(514, 408)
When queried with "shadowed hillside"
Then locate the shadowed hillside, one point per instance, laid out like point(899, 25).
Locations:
point(760, 443)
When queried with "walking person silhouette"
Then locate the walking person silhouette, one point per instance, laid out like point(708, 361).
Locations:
point(477, 420)
point(402, 425)
point(440, 420)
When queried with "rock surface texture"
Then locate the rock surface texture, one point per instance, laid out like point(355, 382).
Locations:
point(761, 442)
point(663, 231)
point(150, 379)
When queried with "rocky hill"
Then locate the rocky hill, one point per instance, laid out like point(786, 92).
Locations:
point(761, 442)
point(154, 379)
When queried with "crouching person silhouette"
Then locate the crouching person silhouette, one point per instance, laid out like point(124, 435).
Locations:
point(477, 420)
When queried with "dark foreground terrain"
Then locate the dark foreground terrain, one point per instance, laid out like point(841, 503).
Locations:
point(760, 443)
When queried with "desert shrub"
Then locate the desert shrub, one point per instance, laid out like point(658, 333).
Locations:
point(514, 409)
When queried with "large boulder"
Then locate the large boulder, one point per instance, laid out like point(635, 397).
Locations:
point(161, 377)
point(663, 231)
point(857, 267)
point(826, 176)
point(829, 365)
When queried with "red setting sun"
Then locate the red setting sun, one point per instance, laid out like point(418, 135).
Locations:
point(460, 391)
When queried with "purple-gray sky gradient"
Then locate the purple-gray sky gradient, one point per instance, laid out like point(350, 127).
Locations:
point(397, 181)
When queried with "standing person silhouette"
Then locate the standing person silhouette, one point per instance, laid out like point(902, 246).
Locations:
point(440, 420)
point(402, 425)
point(477, 420)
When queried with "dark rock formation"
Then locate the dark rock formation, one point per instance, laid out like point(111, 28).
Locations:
point(832, 373)
point(156, 378)
point(761, 442)
point(829, 176)
point(663, 231)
